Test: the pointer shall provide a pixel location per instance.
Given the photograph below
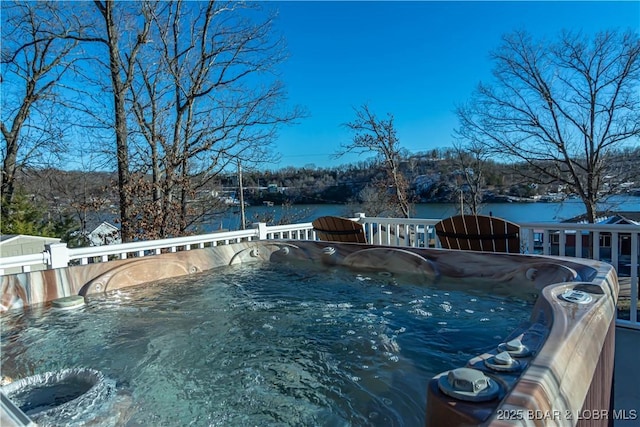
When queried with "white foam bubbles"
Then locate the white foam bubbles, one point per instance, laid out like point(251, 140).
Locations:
point(446, 306)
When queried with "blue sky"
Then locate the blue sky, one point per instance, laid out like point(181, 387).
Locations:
point(415, 60)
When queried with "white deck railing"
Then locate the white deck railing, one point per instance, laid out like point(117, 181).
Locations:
point(24, 263)
point(611, 243)
point(616, 244)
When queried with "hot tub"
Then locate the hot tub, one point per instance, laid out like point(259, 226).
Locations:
point(552, 369)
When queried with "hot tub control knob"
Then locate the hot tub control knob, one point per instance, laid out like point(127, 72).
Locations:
point(502, 362)
point(503, 358)
point(515, 348)
point(329, 250)
point(468, 384)
point(514, 345)
point(575, 296)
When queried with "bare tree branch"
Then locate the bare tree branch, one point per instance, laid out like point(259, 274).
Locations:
point(197, 102)
point(371, 134)
point(36, 56)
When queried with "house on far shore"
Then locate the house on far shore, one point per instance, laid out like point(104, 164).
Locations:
point(21, 244)
point(104, 234)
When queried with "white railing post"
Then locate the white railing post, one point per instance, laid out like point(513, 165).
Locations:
point(58, 255)
point(530, 240)
point(262, 229)
point(596, 245)
point(635, 281)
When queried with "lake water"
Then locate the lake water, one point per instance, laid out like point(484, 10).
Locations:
point(516, 212)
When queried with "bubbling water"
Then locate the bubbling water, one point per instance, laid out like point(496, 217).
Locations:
point(267, 344)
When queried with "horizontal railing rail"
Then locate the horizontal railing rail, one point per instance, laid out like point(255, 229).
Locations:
point(412, 232)
point(303, 231)
point(23, 262)
point(615, 244)
point(155, 247)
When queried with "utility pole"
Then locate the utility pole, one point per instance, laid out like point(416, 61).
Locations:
point(242, 217)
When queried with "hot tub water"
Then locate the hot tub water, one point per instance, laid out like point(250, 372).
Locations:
point(267, 344)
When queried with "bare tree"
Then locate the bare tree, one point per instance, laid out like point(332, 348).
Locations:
point(374, 200)
point(470, 161)
point(371, 134)
point(204, 99)
point(36, 55)
point(565, 108)
point(123, 45)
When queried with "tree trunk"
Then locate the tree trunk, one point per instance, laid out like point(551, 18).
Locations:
point(120, 86)
point(401, 190)
point(8, 176)
point(10, 164)
point(121, 131)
